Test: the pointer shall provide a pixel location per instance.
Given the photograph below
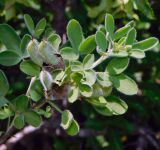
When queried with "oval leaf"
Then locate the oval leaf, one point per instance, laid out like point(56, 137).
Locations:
point(101, 40)
point(73, 129)
point(9, 58)
point(117, 65)
point(66, 119)
point(124, 84)
point(30, 68)
point(9, 38)
point(88, 45)
point(131, 36)
point(4, 85)
point(146, 44)
point(88, 61)
point(109, 24)
point(32, 118)
point(68, 53)
point(74, 32)
point(29, 23)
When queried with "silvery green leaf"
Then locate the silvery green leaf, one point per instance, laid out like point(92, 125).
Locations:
point(103, 79)
point(98, 90)
point(121, 32)
point(124, 84)
point(76, 66)
point(75, 34)
point(131, 36)
point(55, 40)
point(88, 61)
point(73, 129)
point(46, 80)
point(30, 68)
point(85, 90)
point(111, 106)
point(69, 53)
point(32, 49)
point(66, 119)
point(48, 53)
point(147, 44)
point(73, 94)
point(101, 41)
point(119, 54)
point(87, 45)
point(117, 65)
point(40, 27)
point(109, 24)
point(89, 77)
point(29, 23)
point(137, 54)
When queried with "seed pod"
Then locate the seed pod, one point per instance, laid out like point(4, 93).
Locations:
point(32, 49)
point(48, 53)
point(46, 80)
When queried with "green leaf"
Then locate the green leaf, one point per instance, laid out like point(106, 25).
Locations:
point(109, 24)
point(131, 36)
point(73, 94)
point(32, 118)
point(19, 122)
point(29, 23)
point(103, 110)
point(47, 52)
point(5, 113)
point(85, 90)
point(4, 85)
point(24, 43)
point(66, 119)
point(9, 58)
point(147, 44)
point(137, 54)
point(36, 90)
point(119, 54)
point(117, 65)
point(124, 84)
point(76, 66)
point(68, 53)
point(121, 32)
point(110, 106)
point(77, 77)
point(103, 79)
point(99, 90)
point(21, 103)
point(40, 27)
point(88, 61)
point(30, 68)
point(73, 129)
point(75, 35)
point(145, 7)
point(55, 41)
point(116, 105)
point(3, 101)
point(101, 40)
point(9, 38)
point(89, 77)
point(32, 49)
point(87, 45)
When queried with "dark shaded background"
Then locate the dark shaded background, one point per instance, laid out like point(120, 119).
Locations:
point(139, 128)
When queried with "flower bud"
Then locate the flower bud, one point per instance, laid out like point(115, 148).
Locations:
point(32, 49)
point(48, 53)
point(46, 80)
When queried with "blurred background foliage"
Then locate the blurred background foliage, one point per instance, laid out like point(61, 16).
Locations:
point(139, 128)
